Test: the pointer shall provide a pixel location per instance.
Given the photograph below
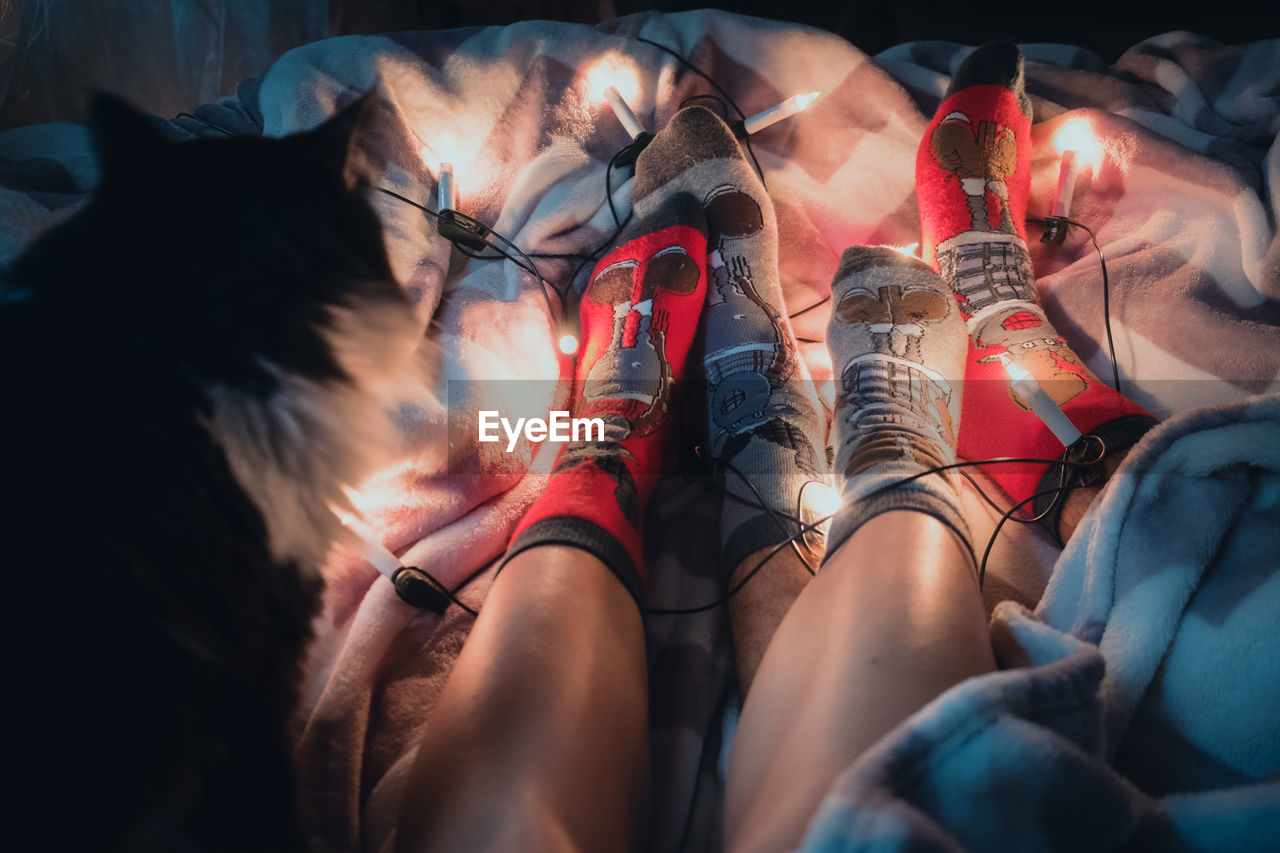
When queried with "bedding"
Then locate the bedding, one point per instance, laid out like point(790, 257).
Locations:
point(1183, 203)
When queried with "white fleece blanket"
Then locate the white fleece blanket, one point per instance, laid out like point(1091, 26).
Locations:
point(1184, 203)
point(1139, 705)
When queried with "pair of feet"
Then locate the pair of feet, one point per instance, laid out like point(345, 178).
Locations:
point(921, 349)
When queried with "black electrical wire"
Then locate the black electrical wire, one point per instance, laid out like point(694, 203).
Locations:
point(1106, 300)
point(728, 99)
point(774, 514)
point(446, 592)
point(736, 588)
point(519, 258)
point(715, 99)
point(823, 301)
point(981, 565)
point(1106, 292)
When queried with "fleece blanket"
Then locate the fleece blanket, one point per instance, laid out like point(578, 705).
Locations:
point(1182, 200)
point(1139, 705)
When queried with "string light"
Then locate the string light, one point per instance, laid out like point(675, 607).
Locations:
point(1079, 149)
point(613, 80)
point(773, 115)
point(444, 190)
point(442, 157)
point(623, 112)
point(1039, 402)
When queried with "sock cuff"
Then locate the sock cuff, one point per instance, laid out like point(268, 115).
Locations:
point(753, 534)
point(587, 536)
point(916, 497)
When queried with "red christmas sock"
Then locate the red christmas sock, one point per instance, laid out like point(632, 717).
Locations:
point(639, 316)
point(972, 181)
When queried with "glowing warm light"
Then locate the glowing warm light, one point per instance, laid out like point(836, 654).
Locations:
point(773, 115)
point(429, 158)
point(370, 544)
point(1015, 371)
point(1076, 135)
point(909, 250)
point(1079, 149)
point(1040, 403)
point(568, 344)
point(613, 72)
point(822, 499)
point(615, 81)
point(439, 157)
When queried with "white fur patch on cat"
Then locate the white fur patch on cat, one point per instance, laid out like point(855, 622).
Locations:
point(294, 452)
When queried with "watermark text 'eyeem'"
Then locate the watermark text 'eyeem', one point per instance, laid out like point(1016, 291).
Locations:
point(559, 426)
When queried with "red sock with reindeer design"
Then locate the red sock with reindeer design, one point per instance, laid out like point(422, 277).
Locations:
point(639, 316)
point(972, 182)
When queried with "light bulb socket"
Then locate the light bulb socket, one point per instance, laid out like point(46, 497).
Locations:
point(417, 588)
point(463, 230)
point(1055, 230)
point(627, 156)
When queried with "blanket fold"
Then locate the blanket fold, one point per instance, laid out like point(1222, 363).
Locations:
point(1159, 616)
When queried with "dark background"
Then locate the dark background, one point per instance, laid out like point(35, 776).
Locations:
point(169, 56)
point(873, 25)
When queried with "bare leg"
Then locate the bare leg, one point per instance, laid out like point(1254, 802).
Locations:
point(893, 619)
point(539, 741)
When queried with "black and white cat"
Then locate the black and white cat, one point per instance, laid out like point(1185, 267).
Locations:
point(190, 372)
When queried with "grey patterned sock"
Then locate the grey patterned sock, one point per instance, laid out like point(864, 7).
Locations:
point(898, 345)
point(764, 419)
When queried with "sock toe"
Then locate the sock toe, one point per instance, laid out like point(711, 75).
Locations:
point(858, 258)
point(995, 63)
point(693, 135)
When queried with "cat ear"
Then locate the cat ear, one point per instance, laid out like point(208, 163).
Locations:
point(333, 142)
point(123, 137)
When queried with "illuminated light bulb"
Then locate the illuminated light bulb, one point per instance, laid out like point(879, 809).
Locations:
point(623, 112)
point(612, 72)
point(370, 545)
point(1077, 135)
point(1040, 403)
point(445, 157)
point(773, 115)
point(909, 250)
point(1079, 148)
point(568, 344)
point(445, 198)
point(613, 80)
point(823, 500)
point(429, 159)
